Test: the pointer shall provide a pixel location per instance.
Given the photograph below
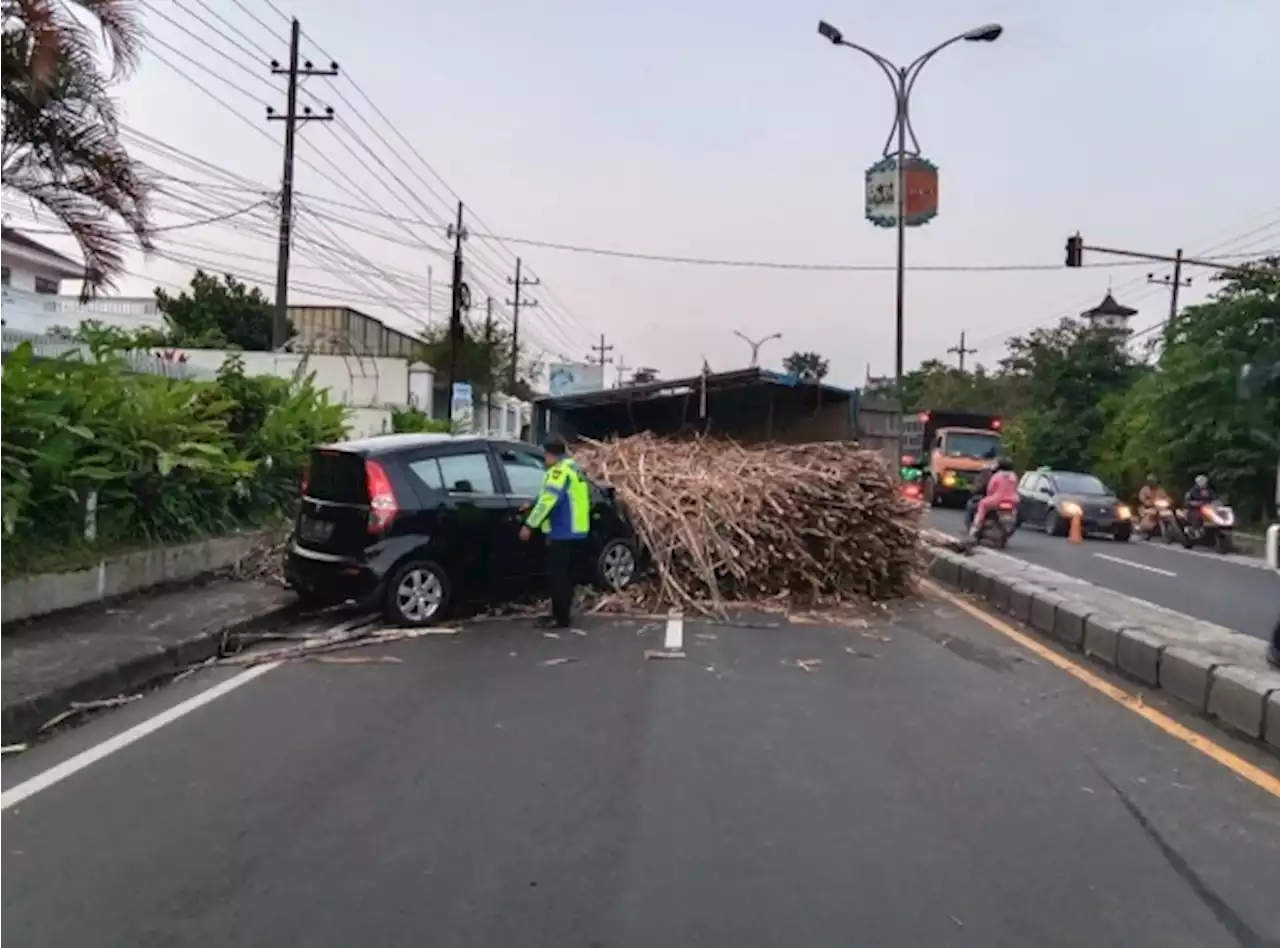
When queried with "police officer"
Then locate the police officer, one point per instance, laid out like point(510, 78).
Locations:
point(563, 513)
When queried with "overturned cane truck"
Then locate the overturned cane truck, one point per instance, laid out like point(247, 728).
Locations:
point(948, 449)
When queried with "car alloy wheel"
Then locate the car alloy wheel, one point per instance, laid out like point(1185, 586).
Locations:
point(617, 565)
point(417, 594)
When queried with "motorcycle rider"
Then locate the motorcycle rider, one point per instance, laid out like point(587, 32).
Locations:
point(1002, 488)
point(1148, 498)
point(1199, 496)
point(979, 491)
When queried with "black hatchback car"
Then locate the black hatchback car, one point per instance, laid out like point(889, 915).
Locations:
point(1050, 499)
point(412, 523)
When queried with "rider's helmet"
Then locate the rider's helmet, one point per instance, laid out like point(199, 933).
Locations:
point(1004, 464)
point(1152, 480)
point(1201, 481)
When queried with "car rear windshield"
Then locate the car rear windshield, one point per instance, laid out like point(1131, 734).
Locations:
point(964, 445)
point(337, 476)
point(1079, 484)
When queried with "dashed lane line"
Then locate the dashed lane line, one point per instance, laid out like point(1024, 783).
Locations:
point(1120, 559)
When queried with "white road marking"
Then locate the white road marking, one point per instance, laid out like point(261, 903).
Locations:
point(60, 772)
point(675, 631)
point(1149, 569)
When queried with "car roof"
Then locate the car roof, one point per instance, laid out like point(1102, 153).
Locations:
point(389, 444)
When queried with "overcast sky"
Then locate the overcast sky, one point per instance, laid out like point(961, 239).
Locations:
point(724, 129)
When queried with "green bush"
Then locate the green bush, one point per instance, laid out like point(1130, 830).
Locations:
point(412, 421)
point(169, 460)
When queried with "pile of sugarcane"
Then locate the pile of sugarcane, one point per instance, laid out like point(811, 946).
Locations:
point(725, 523)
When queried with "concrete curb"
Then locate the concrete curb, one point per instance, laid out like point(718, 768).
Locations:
point(21, 720)
point(30, 597)
point(1241, 700)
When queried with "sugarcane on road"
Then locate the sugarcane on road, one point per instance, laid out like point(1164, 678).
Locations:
point(1234, 591)
point(919, 777)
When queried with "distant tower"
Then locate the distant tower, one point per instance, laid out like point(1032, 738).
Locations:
point(1110, 315)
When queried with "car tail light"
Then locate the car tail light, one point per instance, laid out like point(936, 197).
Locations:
point(996, 424)
point(382, 499)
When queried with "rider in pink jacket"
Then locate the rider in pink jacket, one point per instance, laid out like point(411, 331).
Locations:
point(1002, 488)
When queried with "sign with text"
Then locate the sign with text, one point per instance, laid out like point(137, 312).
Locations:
point(574, 378)
point(920, 177)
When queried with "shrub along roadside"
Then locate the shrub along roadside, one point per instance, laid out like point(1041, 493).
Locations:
point(169, 460)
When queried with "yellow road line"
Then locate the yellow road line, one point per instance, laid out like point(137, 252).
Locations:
point(1233, 762)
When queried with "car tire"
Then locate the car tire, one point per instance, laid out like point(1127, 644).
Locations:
point(1054, 525)
point(1124, 534)
point(616, 564)
point(417, 594)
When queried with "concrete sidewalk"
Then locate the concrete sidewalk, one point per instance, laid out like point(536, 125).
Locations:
point(116, 648)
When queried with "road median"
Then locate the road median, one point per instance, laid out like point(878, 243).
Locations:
point(1219, 673)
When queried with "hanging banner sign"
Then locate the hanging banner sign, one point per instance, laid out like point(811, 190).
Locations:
point(921, 179)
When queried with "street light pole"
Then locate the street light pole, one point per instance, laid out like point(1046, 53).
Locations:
point(903, 79)
point(755, 345)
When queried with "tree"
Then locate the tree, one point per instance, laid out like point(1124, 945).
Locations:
point(217, 314)
point(1067, 378)
point(61, 147)
point(809, 366)
point(644, 375)
point(483, 360)
point(1188, 418)
point(934, 384)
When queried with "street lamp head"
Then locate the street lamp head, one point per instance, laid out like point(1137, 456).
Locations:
point(985, 34)
point(830, 32)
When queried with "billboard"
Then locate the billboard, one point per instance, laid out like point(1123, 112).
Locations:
point(574, 378)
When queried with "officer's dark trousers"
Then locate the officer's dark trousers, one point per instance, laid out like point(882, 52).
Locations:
point(560, 557)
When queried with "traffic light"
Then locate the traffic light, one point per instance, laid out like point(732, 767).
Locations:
point(1075, 251)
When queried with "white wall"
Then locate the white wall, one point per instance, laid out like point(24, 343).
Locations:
point(364, 381)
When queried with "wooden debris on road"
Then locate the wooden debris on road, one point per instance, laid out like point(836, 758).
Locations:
point(340, 640)
point(726, 523)
point(356, 659)
point(806, 664)
point(564, 660)
point(82, 707)
point(660, 653)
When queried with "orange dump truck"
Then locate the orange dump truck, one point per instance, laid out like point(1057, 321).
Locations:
point(949, 448)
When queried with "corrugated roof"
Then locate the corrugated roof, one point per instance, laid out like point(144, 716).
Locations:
point(721, 380)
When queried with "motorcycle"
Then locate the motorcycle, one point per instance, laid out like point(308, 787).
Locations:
point(1213, 528)
point(1159, 519)
point(999, 525)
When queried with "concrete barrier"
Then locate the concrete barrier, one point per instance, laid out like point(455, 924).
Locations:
point(44, 593)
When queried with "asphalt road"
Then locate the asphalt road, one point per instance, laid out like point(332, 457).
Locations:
point(1236, 592)
point(925, 782)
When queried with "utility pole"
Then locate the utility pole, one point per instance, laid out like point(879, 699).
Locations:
point(602, 357)
point(488, 354)
point(755, 345)
point(961, 351)
point(291, 119)
point(457, 302)
point(519, 283)
point(621, 368)
point(1174, 283)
